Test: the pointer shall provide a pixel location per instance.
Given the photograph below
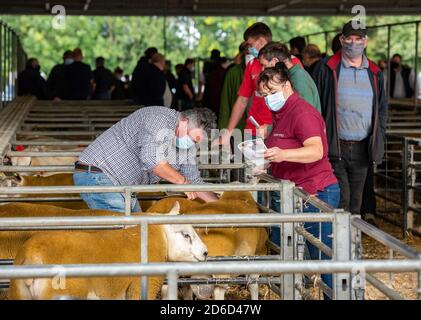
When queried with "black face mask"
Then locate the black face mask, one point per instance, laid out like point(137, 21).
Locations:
point(394, 65)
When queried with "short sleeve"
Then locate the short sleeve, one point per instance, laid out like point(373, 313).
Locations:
point(152, 152)
point(192, 173)
point(184, 78)
point(309, 125)
point(246, 87)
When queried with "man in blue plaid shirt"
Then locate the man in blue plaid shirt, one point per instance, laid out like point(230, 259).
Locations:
point(151, 144)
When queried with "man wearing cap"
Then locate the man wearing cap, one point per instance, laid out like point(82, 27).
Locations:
point(354, 107)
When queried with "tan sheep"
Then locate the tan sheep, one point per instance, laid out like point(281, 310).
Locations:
point(61, 179)
point(223, 241)
point(166, 243)
point(11, 241)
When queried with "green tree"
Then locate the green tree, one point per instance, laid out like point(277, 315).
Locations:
point(122, 40)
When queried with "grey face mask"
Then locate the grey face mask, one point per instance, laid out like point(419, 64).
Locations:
point(353, 50)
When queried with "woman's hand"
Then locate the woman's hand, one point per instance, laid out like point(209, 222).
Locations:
point(262, 132)
point(275, 154)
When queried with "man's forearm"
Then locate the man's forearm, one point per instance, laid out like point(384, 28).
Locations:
point(237, 112)
point(187, 91)
point(165, 171)
point(207, 196)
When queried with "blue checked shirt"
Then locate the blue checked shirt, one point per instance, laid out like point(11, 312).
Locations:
point(129, 150)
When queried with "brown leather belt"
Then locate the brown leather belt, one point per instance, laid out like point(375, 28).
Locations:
point(86, 167)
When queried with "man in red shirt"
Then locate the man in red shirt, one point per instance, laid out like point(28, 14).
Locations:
point(256, 36)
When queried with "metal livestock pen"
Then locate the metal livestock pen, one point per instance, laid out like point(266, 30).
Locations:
point(286, 267)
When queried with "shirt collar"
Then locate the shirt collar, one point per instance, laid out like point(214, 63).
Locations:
point(364, 64)
point(294, 69)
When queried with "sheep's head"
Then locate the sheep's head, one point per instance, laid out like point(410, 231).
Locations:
point(10, 180)
point(183, 243)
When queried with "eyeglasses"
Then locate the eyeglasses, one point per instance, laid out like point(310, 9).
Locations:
point(351, 40)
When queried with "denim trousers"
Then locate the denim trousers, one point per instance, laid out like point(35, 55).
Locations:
point(330, 195)
point(104, 201)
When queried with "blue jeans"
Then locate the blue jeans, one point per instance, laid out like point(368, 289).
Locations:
point(105, 201)
point(330, 195)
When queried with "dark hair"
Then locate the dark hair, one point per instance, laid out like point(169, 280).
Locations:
point(100, 60)
point(243, 47)
point(279, 74)
point(215, 54)
point(67, 53)
point(298, 43)
point(188, 61)
point(397, 55)
point(150, 52)
point(312, 51)
point(258, 29)
point(118, 70)
point(336, 43)
point(275, 50)
point(29, 62)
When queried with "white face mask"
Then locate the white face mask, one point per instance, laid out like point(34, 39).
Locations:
point(249, 58)
point(275, 101)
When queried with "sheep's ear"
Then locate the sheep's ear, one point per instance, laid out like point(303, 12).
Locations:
point(175, 209)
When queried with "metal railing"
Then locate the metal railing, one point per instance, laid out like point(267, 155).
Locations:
point(25, 117)
point(397, 181)
point(346, 239)
point(285, 188)
point(12, 61)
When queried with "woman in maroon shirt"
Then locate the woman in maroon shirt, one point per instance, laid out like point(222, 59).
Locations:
point(297, 148)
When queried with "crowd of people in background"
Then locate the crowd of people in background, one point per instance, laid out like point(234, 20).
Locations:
point(73, 79)
point(153, 82)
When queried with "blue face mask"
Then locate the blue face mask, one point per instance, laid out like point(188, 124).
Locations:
point(254, 52)
point(184, 142)
point(68, 61)
point(275, 101)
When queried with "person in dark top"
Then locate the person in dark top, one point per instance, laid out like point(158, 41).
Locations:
point(128, 89)
point(297, 46)
point(402, 79)
point(143, 62)
point(30, 81)
point(171, 79)
point(311, 56)
point(208, 66)
point(152, 82)
point(336, 43)
point(185, 89)
point(79, 78)
point(214, 84)
point(103, 80)
point(119, 86)
point(178, 68)
point(57, 79)
point(213, 63)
